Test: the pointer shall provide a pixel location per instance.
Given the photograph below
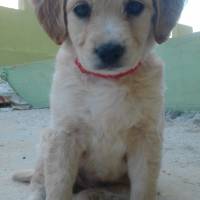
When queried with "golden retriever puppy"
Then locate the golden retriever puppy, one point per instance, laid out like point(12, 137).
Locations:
point(105, 136)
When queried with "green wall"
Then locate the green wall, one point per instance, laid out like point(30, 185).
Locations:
point(182, 72)
point(31, 81)
point(22, 39)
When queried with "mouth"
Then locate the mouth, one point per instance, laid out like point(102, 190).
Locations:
point(107, 75)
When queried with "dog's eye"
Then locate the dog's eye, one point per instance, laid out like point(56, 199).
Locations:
point(82, 10)
point(134, 8)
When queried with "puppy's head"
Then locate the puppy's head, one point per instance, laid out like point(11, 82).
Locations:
point(109, 35)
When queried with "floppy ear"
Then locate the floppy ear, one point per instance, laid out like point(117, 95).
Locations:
point(51, 14)
point(166, 15)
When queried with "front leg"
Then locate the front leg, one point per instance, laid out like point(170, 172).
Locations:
point(63, 153)
point(144, 159)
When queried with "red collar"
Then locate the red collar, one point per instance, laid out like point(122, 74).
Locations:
point(107, 76)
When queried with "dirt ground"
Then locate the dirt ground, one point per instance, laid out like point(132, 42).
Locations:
point(180, 174)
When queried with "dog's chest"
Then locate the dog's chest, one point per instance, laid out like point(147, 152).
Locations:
point(112, 108)
point(111, 113)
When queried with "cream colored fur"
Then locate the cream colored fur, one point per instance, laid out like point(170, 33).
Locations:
point(105, 135)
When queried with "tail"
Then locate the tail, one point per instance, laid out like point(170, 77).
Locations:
point(23, 176)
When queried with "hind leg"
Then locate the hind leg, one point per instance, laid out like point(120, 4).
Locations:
point(38, 181)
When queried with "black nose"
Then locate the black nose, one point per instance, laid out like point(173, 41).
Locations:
point(110, 53)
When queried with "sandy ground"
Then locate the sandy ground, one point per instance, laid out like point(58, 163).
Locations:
point(180, 174)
